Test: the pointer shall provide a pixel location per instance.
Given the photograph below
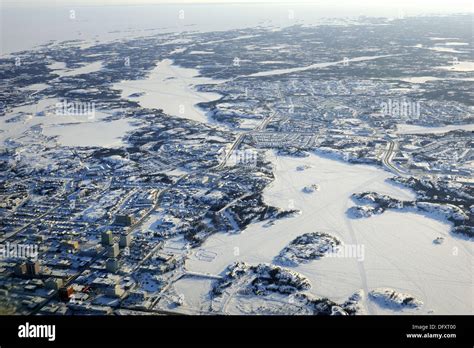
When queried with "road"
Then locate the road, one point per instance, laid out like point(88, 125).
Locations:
point(387, 159)
point(241, 136)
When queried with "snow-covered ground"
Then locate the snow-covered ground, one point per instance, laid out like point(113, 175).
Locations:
point(101, 133)
point(424, 79)
point(194, 291)
point(25, 119)
point(455, 43)
point(60, 69)
point(82, 129)
point(438, 48)
point(201, 52)
point(72, 130)
point(459, 66)
point(414, 129)
point(396, 249)
point(172, 89)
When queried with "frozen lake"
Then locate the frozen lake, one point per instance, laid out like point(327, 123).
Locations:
point(70, 130)
point(101, 133)
point(84, 20)
point(398, 246)
point(414, 129)
point(172, 89)
point(313, 66)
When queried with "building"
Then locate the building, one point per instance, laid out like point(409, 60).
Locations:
point(90, 250)
point(20, 269)
point(123, 220)
point(125, 240)
point(113, 251)
point(107, 238)
point(112, 265)
point(114, 291)
point(65, 293)
point(32, 268)
point(70, 246)
point(53, 283)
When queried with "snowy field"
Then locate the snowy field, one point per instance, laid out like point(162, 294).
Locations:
point(88, 129)
point(70, 130)
point(398, 248)
point(104, 134)
point(459, 66)
point(195, 292)
point(60, 69)
point(424, 79)
point(414, 129)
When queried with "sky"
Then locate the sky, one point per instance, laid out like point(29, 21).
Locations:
point(449, 5)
